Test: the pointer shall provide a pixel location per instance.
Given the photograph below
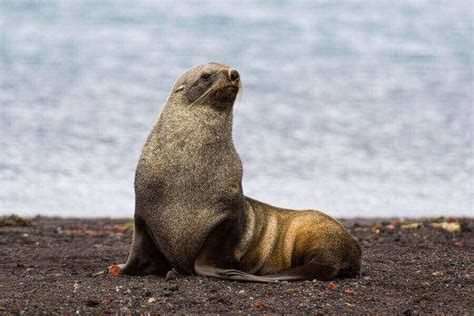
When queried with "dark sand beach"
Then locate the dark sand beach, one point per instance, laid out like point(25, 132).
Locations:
point(56, 265)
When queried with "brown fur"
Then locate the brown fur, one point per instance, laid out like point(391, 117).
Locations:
point(281, 244)
point(191, 213)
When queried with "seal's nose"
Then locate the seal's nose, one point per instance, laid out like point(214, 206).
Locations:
point(233, 75)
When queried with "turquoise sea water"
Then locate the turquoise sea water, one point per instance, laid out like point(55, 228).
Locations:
point(358, 108)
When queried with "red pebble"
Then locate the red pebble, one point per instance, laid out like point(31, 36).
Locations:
point(115, 271)
point(259, 304)
point(332, 286)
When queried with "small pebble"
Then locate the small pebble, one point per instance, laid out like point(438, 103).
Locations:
point(92, 303)
point(172, 274)
point(147, 293)
point(172, 288)
point(125, 310)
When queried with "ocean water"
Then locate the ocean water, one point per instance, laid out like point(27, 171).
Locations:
point(357, 108)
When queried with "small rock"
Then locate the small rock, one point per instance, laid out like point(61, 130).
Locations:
point(452, 227)
point(125, 310)
point(241, 292)
point(218, 298)
point(258, 304)
point(172, 274)
point(390, 227)
point(147, 293)
point(151, 300)
point(172, 288)
point(115, 271)
point(14, 220)
point(332, 286)
point(92, 303)
point(98, 273)
point(411, 226)
point(377, 229)
point(395, 222)
point(438, 273)
point(350, 292)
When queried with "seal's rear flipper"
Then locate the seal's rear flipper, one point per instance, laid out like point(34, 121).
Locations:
point(237, 275)
point(228, 274)
point(309, 271)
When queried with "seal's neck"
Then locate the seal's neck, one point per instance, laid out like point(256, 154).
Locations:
point(218, 122)
point(205, 124)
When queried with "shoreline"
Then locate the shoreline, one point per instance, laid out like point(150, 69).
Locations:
point(55, 265)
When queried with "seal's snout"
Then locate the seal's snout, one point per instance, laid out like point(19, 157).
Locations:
point(233, 75)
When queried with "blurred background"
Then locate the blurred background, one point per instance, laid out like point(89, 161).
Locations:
point(357, 108)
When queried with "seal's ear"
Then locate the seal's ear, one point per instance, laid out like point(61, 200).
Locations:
point(179, 88)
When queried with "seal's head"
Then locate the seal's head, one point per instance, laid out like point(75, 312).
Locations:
point(213, 84)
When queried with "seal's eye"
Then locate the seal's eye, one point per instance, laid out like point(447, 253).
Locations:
point(206, 76)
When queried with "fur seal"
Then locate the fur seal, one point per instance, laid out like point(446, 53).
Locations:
point(191, 213)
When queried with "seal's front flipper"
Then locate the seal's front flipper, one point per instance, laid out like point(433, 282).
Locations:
point(145, 257)
point(227, 274)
